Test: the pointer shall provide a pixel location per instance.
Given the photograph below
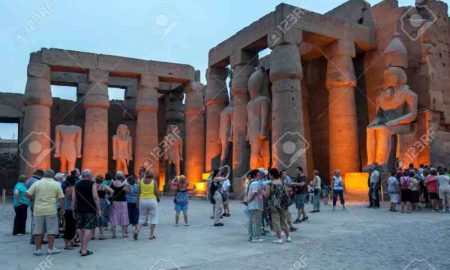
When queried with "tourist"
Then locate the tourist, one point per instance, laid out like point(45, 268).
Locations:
point(262, 180)
point(118, 210)
point(181, 200)
point(226, 184)
point(254, 205)
point(86, 207)
point(374, 187)
point(326, 188)
point(45, 193)
point(148, 203)
point(103, 192)
point(301, 189)
point(414, 190)
point(405, 192)
point(393, 186)
point(316, 186)
point(69, 220)
point(20, 203)
point(277, 199)
point(216, 191)
point(287, 181)
point(444, 190)
point(37, 175)
point(338, 189)
point(109, 176)
point(132, 201)
point(432, 186)
point(59, 177)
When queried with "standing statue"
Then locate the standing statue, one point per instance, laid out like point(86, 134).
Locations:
point(396, 106)
point(258, 113)
point(226, 133)
point(67, 146)
point(122, 145)
point(173, 147)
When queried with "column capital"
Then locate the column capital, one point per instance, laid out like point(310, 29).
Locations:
point(280, 36)
point(38, 87)
point(216, 88)
point(285, 62)
point(147, 97)
point(241, 57)
point(98, 76)
point(39, 70)
point(341, 48)
point(239, 83)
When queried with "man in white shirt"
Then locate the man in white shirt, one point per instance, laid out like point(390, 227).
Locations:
point(374, 187)
point(254, 201)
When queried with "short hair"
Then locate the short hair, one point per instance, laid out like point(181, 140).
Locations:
point(108, 176)
point(38, 173)
point(49, 173)
point(131, 179)
point(86, 174)
point(120, 175)
point(182, 177)
point(252, 174)
point(71, 180)
point(316, 172)
point(149, 173)
point(99, 179)
point(274, 173)
point(59, 176)
point(299, 168)
point(412, 173)
point(214, 173)
point(22, 178)
point(433, 171)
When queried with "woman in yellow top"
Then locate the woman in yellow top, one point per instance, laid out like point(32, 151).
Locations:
point(148, 195)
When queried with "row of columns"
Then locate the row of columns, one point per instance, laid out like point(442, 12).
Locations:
point(288, 141)
point(36, 145)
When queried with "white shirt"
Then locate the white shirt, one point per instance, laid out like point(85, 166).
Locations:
point(443, 182)
point(257, 203)
point(375, 177)
point(226, 185)
point(337, 183)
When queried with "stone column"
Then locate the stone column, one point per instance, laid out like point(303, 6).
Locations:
point(96, 104)
point(288, 142)
point(194, 112)
point(244, 64)
point(36, 145)
point(216, 98)
point(343, 126)
point(147, 144)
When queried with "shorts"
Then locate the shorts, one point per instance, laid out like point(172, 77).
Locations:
point(87, 221)
point(148, 209)
point(406, 195)
point(395, 197)
point(433, 195)
point(414, 196)
point(300, 201)
point(181, 207)
point(279, 218)
point(443, 194)
point(225, 197)
point(47, 224)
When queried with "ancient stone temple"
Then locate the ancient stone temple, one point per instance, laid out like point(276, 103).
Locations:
point(356, 86)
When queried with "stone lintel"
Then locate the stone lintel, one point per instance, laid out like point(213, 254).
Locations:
point(341, 48)
point(148, 80)
point(242, 57)
point(98, 76)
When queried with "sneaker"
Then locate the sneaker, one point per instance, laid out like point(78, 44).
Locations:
point(218, 224)
point(278, 241)
point(305, 218)
point(37, 252)
point(293, 229)
point(53, 251)
point(297, 221)
point(187, 224)
point(289, 239)
point(259, 240)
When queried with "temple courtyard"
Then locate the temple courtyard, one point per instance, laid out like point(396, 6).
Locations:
point(358, 238)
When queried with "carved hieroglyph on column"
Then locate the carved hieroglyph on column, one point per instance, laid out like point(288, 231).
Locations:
point(194, 111)
point(396, 105)
point(96, 104)
point(122, 148)
point(36, 145)
point(226, 133)
point(258, 123)
point(67, 146)
point(288, 143)
point(343, 124)
point(216, 99)
point(244, 65)
point(173, 147)
point(147, 150)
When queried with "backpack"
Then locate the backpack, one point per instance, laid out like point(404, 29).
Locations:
point(279, 198)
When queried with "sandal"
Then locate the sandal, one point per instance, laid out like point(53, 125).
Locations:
point(135, 236)
point(152, 237)
point(88, 252)
point(102, 238)
point(68, 248)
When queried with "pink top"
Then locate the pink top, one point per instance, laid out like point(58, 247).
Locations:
point(432, 185)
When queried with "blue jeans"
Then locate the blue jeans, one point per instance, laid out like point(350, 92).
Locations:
point(316, 199)
point(340, 194)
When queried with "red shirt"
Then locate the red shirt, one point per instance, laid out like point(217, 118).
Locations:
point(432, 185)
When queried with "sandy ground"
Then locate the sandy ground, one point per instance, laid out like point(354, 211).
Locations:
point(358, 238)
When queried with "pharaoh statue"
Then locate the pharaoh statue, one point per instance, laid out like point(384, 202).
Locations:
point(122, 145)
point(173, 147)
point(258, 113)
point(225, 133)
point(67, 146)
point(396, 105)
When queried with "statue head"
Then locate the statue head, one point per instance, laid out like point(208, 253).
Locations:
point(394, 77)
point(257, 83)
point(123, 131)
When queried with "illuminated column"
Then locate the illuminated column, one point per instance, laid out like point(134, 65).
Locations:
point(147, 147)
point(288, 142)
point(194, 112)
point(96, 104)
point(36, 144)
point(343, 126)
point(216, 98)
point(244, 65)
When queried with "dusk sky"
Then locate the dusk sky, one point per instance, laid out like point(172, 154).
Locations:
point(125, 28)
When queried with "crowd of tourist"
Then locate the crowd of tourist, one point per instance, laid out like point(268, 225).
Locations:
point(77, 205)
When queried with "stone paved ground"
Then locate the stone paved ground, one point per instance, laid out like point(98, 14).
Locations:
point(358, 238)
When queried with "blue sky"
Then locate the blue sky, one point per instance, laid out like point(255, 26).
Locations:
point(125, 28)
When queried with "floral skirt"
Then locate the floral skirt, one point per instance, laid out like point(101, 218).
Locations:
point(118, 214)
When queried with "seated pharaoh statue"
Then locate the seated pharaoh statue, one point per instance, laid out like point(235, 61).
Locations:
point(396, 106)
